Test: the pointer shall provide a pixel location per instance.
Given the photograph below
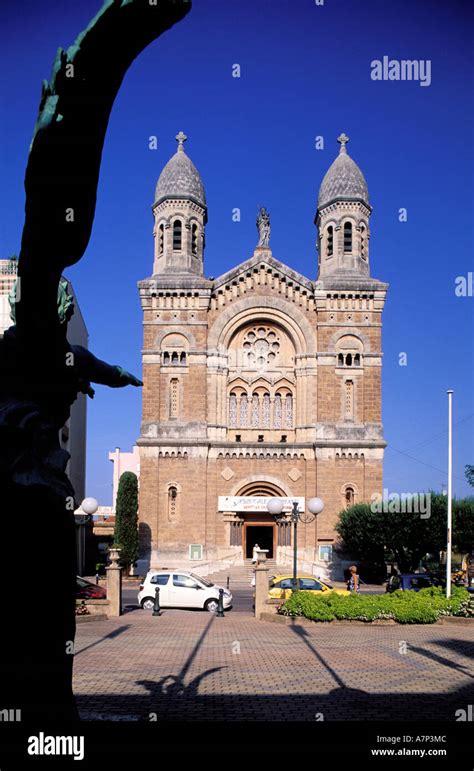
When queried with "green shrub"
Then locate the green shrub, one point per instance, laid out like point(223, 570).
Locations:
point(300, 604)
point(423, 607)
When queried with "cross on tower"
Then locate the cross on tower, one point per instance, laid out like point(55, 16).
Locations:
point(181, 139)
point(343, 139)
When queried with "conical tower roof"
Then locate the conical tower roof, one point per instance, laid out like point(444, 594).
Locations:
point(343, 179)
point(180, 178)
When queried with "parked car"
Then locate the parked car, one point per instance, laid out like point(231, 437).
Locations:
point(281, 587)
point(85, 590)
point(180, 589)
point(438, 575)
point(410, 582)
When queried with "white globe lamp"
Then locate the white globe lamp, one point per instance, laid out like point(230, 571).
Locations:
point(89, 505)
point(275, 506)
point(315, 505)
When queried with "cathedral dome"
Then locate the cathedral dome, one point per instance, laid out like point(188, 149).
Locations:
point(180, 178)
point(343, 179)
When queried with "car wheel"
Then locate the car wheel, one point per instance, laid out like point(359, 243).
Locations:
point(211, 605)
point(148, 603)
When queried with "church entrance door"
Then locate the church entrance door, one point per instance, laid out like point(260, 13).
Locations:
point(262, 533)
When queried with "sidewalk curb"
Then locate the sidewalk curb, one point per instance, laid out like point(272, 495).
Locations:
point(302, 621)
point(91, 617)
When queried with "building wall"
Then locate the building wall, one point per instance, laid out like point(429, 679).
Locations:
point(123, 461)
point(196, 353)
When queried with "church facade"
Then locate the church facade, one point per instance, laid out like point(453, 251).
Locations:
point(259, 383)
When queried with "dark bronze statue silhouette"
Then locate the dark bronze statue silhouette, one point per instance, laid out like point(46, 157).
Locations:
point(40, 372)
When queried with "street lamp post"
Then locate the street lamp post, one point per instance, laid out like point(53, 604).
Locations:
point(315, 506)
point(82, 515)
point(450, 493)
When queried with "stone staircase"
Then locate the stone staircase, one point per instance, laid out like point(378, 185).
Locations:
point(240, 576)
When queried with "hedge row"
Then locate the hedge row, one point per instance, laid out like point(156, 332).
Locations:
point(406, 607)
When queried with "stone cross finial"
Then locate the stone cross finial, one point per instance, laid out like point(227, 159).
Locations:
point(343, 140)
point(181, 139)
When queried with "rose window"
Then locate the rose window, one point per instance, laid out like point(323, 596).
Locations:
point(261, 347)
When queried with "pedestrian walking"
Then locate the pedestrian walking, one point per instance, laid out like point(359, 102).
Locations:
point(353, 583)
point(254, 553)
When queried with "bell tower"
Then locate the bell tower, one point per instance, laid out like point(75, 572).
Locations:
point(342, 218)
point(180, 216)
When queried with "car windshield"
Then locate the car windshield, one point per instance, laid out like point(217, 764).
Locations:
point(201, 580)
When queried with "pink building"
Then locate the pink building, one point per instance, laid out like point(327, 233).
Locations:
point(123, 461)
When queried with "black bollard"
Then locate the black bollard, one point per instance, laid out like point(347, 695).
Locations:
point(220, 605)
point(156, 606)
point(228, 581)
point(97, 579)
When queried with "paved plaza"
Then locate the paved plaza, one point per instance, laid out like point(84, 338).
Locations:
point(191, 665)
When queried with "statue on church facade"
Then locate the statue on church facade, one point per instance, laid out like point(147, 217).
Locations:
point(263, 226)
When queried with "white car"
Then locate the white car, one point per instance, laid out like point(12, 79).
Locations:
point(179, 589)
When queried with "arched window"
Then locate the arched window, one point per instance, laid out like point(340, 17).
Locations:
point(277, 412)
point(255, 411)
point(174, 358)
point(194, 239)
point(349, 496)
point(362, 242)
point(233, 410)
point(166, 358)
point(348, 237)
point(182, 357)
point(289, 411)
point(172, 502)
point(243, 410)
point(330, 241)
point(266, 411)
point(161, 239)
point(177, 235)
point(174, 397)
point(349, 351)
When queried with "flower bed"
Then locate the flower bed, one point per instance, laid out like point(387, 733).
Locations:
point(405, 607)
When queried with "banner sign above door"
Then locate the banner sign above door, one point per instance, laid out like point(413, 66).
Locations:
point(255, 503)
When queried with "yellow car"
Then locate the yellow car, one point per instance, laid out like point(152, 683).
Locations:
point(281, 587)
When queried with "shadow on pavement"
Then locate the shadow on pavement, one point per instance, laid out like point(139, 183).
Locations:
point(168, 699)
point(110, 636)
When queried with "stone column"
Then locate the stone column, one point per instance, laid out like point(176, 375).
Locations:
point(114, 585)
point(261, 582)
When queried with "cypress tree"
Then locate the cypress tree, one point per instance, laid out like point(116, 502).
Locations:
point(126, 519)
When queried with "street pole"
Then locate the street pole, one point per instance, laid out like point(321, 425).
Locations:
point(450, 492)
point(295, 544)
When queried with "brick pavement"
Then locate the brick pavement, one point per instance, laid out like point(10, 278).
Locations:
point(193, 666)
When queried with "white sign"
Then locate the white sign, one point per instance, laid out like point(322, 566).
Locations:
point(255, 503)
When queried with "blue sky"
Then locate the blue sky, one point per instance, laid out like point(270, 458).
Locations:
point(305, 72)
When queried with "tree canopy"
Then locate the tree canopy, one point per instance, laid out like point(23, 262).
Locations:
point(367, 534)
point(469, 473)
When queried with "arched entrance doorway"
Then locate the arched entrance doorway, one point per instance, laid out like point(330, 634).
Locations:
point(259, 529)
point(258, 526)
